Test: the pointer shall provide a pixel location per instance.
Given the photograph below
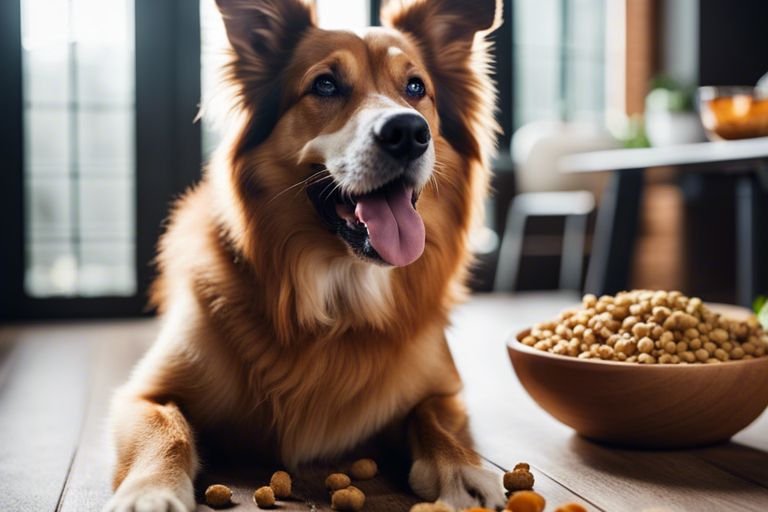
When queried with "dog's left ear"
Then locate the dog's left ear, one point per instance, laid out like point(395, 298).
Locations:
point(451, 35)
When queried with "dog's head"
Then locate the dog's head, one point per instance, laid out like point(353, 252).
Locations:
point(357, 122)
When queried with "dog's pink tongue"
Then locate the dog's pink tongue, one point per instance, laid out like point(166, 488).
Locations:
point(395, 228)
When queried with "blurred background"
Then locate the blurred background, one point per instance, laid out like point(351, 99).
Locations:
point(98, 136)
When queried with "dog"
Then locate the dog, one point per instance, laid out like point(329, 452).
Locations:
point(306, 282)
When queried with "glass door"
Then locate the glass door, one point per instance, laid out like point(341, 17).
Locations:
point(79, 165)
point(98, 137)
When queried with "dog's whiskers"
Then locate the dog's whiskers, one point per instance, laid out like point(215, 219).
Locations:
point(310, 180)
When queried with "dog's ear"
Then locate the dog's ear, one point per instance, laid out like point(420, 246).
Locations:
point(451, 35)
point(263, 35)
point(265, 29)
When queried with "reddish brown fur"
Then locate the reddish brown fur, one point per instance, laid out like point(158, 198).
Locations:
point(275, 333)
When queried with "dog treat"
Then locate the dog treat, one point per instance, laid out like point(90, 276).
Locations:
point(281, 484)
point(649, 327)
point(525, 501)
point(218, 495)
point(336, 481)
point(264, 497)
point(522, 465)
point(350, 499)
point(518, 480)
point(571, 507)
point(363, 469)
point(438, 506)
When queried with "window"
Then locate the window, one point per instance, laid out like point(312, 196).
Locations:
point(559, 57)
point(79, 170)
point(97, 135)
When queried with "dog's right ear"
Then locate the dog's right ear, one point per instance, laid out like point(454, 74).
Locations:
point(263, 33)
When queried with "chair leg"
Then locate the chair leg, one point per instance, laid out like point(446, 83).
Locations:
point(511, 252)
point(572, 259)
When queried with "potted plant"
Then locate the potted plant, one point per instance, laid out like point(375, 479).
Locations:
point(670, 115)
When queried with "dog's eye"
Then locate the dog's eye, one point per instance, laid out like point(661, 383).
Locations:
point(325, 85)
point(415, 88)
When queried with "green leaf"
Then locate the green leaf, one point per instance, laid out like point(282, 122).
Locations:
point(762, 316)
point(759, 303)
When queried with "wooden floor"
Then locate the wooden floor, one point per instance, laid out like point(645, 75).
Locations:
point(55, 382)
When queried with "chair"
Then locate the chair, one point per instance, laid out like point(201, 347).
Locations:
point(545, 192)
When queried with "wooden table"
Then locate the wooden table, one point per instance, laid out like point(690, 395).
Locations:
point(55, 381)
point(618, 214)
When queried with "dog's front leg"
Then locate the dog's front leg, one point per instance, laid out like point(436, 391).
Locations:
point(156, 457)
point(445, 466)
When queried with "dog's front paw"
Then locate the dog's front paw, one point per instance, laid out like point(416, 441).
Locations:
point(460, 485)
point(152, 498)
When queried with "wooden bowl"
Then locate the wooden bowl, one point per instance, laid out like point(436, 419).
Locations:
point(644, 406)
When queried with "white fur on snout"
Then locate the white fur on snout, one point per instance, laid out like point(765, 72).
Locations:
point(354, 158)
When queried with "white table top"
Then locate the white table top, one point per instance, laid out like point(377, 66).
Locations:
point(685, 154)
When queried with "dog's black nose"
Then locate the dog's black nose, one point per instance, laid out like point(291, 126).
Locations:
point(404, 136)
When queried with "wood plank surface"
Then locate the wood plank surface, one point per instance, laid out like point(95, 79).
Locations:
point(113, 350)
point(42, 399)
point(56, 381)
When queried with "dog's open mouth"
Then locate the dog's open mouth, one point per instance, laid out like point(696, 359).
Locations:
point(382, 225)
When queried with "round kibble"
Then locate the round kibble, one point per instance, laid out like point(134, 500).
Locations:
point(218, 495)
point(437, 506)
point(518, 480)
point(649, 327)
point(264, 497)
point(281, 484)
point(645, 345)
point(350, 499)
point(526, 501)
point(336, 481)
point(363, 469)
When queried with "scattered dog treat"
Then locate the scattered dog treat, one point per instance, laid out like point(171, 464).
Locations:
point(519, 479)
point(437, 506)
point(336, 481)
point(264, 497)
point(522, 465)
point(218, 495)
point(649, 327)
point(363, 469)
point(281, 484)
point(525, 501)
point(571, 507)
point(350, 499)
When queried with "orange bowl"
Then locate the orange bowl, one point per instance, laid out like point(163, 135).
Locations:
point(729, 113)
point(648, 406)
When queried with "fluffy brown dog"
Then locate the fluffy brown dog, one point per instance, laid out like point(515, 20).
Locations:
point(306, 281)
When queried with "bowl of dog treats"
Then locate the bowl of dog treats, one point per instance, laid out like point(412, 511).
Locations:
point(649, 369)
